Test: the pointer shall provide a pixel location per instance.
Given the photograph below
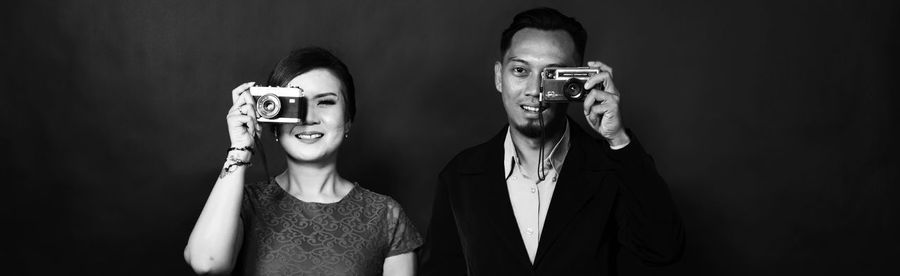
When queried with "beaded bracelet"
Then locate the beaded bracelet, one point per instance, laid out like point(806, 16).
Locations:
point(233, 166)
point(241, 149)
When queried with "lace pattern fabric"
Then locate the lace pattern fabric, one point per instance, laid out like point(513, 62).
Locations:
point(286, 236)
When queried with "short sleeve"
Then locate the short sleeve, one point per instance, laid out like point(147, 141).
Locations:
point(403, 234)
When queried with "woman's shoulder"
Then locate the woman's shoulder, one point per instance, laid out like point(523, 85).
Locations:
point(373, 198)
point(261, 188)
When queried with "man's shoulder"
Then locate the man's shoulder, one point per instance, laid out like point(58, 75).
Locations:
point(476, 158)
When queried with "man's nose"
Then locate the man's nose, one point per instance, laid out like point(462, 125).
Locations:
point(533, 86)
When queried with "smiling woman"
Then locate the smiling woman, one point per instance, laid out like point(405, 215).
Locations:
point(308, 219)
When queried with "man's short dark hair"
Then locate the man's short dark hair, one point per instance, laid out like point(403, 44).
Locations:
point(545, 19)
point(310, 58)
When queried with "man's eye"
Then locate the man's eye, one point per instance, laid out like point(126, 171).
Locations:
point(519, 70)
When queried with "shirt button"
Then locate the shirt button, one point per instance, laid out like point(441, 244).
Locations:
point(533, 190)
point(529, 231)
point(515, 178)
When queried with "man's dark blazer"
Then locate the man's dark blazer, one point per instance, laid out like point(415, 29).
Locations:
point(603, 199)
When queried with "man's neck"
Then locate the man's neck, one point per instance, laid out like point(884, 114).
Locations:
point(528, 148)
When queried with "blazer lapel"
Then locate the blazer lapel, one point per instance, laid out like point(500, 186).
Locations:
point(494, 197)
point(577, 184)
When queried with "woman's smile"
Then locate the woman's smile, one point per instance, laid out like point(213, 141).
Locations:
point(309, 137)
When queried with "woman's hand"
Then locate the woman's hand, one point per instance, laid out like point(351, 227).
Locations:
point(241, 118)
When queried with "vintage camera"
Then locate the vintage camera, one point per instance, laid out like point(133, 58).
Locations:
point(565, 84)
point(277, 104)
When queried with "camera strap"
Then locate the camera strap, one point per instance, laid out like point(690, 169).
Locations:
point(262, 155)
point(540, 168)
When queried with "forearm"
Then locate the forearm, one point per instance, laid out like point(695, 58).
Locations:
point(649, 221)
point(212, 245)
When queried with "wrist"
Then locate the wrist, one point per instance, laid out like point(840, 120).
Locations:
point(618, 140)
point(234, 161)
point(238, 156)
point(241, 148)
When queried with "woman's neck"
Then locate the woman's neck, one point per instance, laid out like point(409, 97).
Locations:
point(313, 181)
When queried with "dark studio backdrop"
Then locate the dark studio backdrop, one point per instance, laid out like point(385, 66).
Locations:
point(773, 121)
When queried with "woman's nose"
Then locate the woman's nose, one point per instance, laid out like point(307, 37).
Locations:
point(308, 114)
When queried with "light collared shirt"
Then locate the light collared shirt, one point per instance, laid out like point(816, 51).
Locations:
point(530, 196)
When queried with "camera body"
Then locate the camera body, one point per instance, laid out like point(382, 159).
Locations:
point(277, 104)
point(565, 84)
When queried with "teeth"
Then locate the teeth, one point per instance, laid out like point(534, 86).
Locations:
point(530, 108)
point(310, 136)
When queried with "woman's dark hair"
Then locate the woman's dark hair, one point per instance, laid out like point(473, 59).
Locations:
point(545, 19)
point(310, 58)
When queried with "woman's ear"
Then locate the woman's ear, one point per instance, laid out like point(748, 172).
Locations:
point(347, 126)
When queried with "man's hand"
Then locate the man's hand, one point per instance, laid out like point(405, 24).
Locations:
point(601, 106)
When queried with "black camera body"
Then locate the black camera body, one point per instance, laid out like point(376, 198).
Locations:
point(277, 104)
point(565, 84)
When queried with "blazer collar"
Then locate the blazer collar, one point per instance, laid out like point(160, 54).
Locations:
point(573, 189)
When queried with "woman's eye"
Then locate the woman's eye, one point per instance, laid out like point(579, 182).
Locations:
point(326, 102)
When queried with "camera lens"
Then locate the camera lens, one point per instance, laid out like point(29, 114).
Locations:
point(574, 89)
point(268, 106)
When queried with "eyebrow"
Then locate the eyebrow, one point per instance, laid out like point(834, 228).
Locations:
point(516, 59)
point(325, 94)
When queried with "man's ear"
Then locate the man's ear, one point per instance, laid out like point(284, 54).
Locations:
point(498, 74)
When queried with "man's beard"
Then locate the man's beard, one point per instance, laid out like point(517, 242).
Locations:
point(532, 128)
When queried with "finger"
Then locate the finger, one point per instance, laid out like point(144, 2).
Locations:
point(234, 108)
point(239, 107)
point(603, 109)
point(595, 112)
point(240, 89)
point(251, 126)
point(249, 100)
point(246, 110)
point(238, 120)
point(257, 130)
point(602, 77)
point(597, 97)
point(251, 104)
point(240, 100)
point(244, 122)
point(600, 65)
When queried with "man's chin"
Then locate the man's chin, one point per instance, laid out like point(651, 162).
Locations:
point(530, 130)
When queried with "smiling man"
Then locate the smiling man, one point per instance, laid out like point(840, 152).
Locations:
point(542, 197)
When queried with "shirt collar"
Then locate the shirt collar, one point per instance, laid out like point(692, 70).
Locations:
point(554, 160)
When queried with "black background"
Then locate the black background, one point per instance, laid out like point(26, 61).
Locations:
point(773, 121)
